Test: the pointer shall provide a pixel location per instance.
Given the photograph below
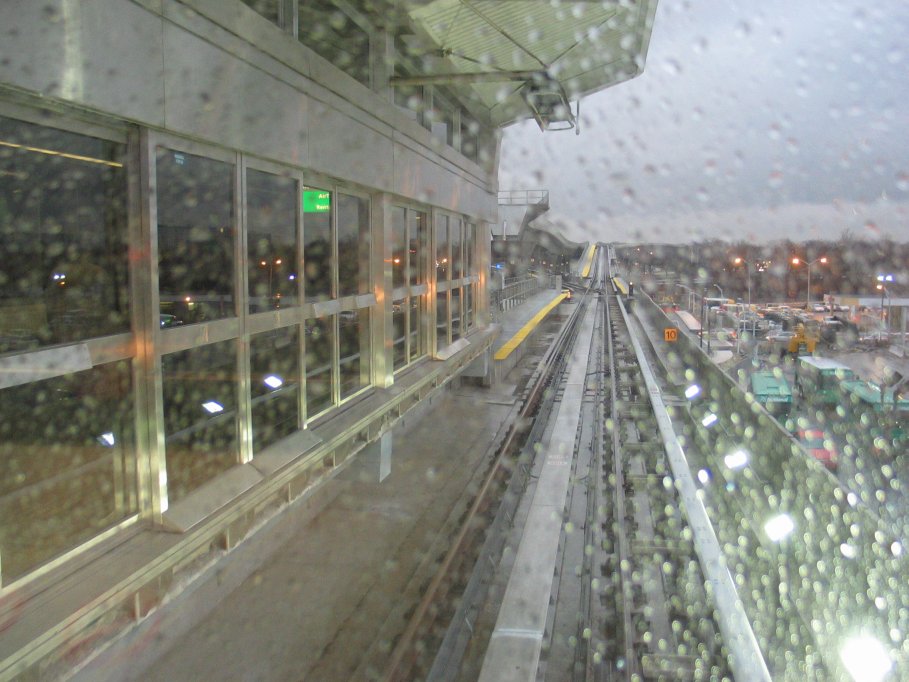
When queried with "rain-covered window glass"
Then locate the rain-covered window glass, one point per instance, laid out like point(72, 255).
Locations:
point(416, 253)
point(270, 9)
point(469, 319)
point(195, 198)
point(414, 336)
point(353, 245)
point(398, 246)
point(271, 217)
point(67, 463)
point(399, 334)
point(329, 32)
point(317, 245)
point(320, 334)
point(63, 266)
point(353, 340)
point(470, 132)
point(409, 99)
point(274, 385)
point(441, 319)
point(457, 244)
point(200, 415)
point(470, 236)
point(455, 313)
point(441, 118)
point(442, 259)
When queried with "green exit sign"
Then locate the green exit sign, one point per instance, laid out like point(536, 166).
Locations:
point(316, 201)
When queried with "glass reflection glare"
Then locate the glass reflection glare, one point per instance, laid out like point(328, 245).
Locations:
point(865, 658)
point(692, 391)
point(779, 527)
point(736, 460)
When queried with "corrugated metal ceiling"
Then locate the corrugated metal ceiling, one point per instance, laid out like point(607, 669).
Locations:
point(490, 47)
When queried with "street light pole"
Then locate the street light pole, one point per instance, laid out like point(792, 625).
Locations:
point(884, 280)
point(796, 261)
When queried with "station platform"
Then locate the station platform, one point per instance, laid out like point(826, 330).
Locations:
point(520, 326)
point(323, 589)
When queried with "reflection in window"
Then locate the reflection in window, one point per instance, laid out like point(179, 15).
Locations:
point(317, 249)
point(398, 246)
point(469, 321)
point(319, 344)
point(457, 241)
point(353, 245)
point(414, 335)
point(270, 9)
point(399, 326)
point(195, 236)
point(441, 319)
point(417, 250)
point(63, 271)
point(200, 415)
point(66, 464)
point(353, 338)
point(442, 257)
point(455, 314)
point(335, 37)
point(274, 385)
point(271, 216)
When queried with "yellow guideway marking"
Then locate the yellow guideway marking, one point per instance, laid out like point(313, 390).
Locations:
point(586, 271)
point(518, 338)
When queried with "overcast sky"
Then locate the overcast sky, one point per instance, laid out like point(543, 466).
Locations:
point(751, 120)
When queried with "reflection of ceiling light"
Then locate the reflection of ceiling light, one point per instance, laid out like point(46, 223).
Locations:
point(896, 548)
point(273, 381)
point(212, 407)
point(865, 658)
point(704, 476)
point(848, 550)
point(692, 391)
point(107, 439)
point(779, 527)
point(709, 420)
point(736, 460)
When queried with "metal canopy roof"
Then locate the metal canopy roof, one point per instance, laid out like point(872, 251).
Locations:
point(523, 58)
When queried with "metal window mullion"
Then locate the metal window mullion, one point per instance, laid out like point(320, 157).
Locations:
point(335, 293)
point(241, 296)
point(151, 456)
point(301, 297)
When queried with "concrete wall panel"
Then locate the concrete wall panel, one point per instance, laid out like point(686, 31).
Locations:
point(102, 54)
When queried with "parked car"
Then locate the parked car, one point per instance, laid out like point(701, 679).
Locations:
point(820, 445)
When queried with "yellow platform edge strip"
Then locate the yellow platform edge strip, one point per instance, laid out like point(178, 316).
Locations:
point(586, 271)
point(518, 338)
point(620, 285)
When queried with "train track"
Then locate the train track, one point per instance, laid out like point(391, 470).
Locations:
point(628, 598)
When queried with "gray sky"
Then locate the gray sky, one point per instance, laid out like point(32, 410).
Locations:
point(751, 120)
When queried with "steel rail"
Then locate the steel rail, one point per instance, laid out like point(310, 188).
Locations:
point(553, 358)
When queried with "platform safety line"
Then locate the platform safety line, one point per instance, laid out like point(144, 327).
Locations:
point(586, 271)
point(524, 332)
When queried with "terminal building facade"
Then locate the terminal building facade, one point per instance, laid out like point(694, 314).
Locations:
point(240, 240)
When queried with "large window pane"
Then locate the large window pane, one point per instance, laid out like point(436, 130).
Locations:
point(353, 245)
point(319, 345)
point(195, 236)
point(441, 319)
point(415, 345)
point(457, 242)
point(442, 259)
point(63, 265)
point(335, 37)
point(200, 415)
point(417, 251)
point(398, 246)
point(399, 332)
point(353, 339)
point(455, 313)
point(267, 8)
point(275, 385)
point(66, 464)
point(317, 249)
point(271, 217)
point(469, 320)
